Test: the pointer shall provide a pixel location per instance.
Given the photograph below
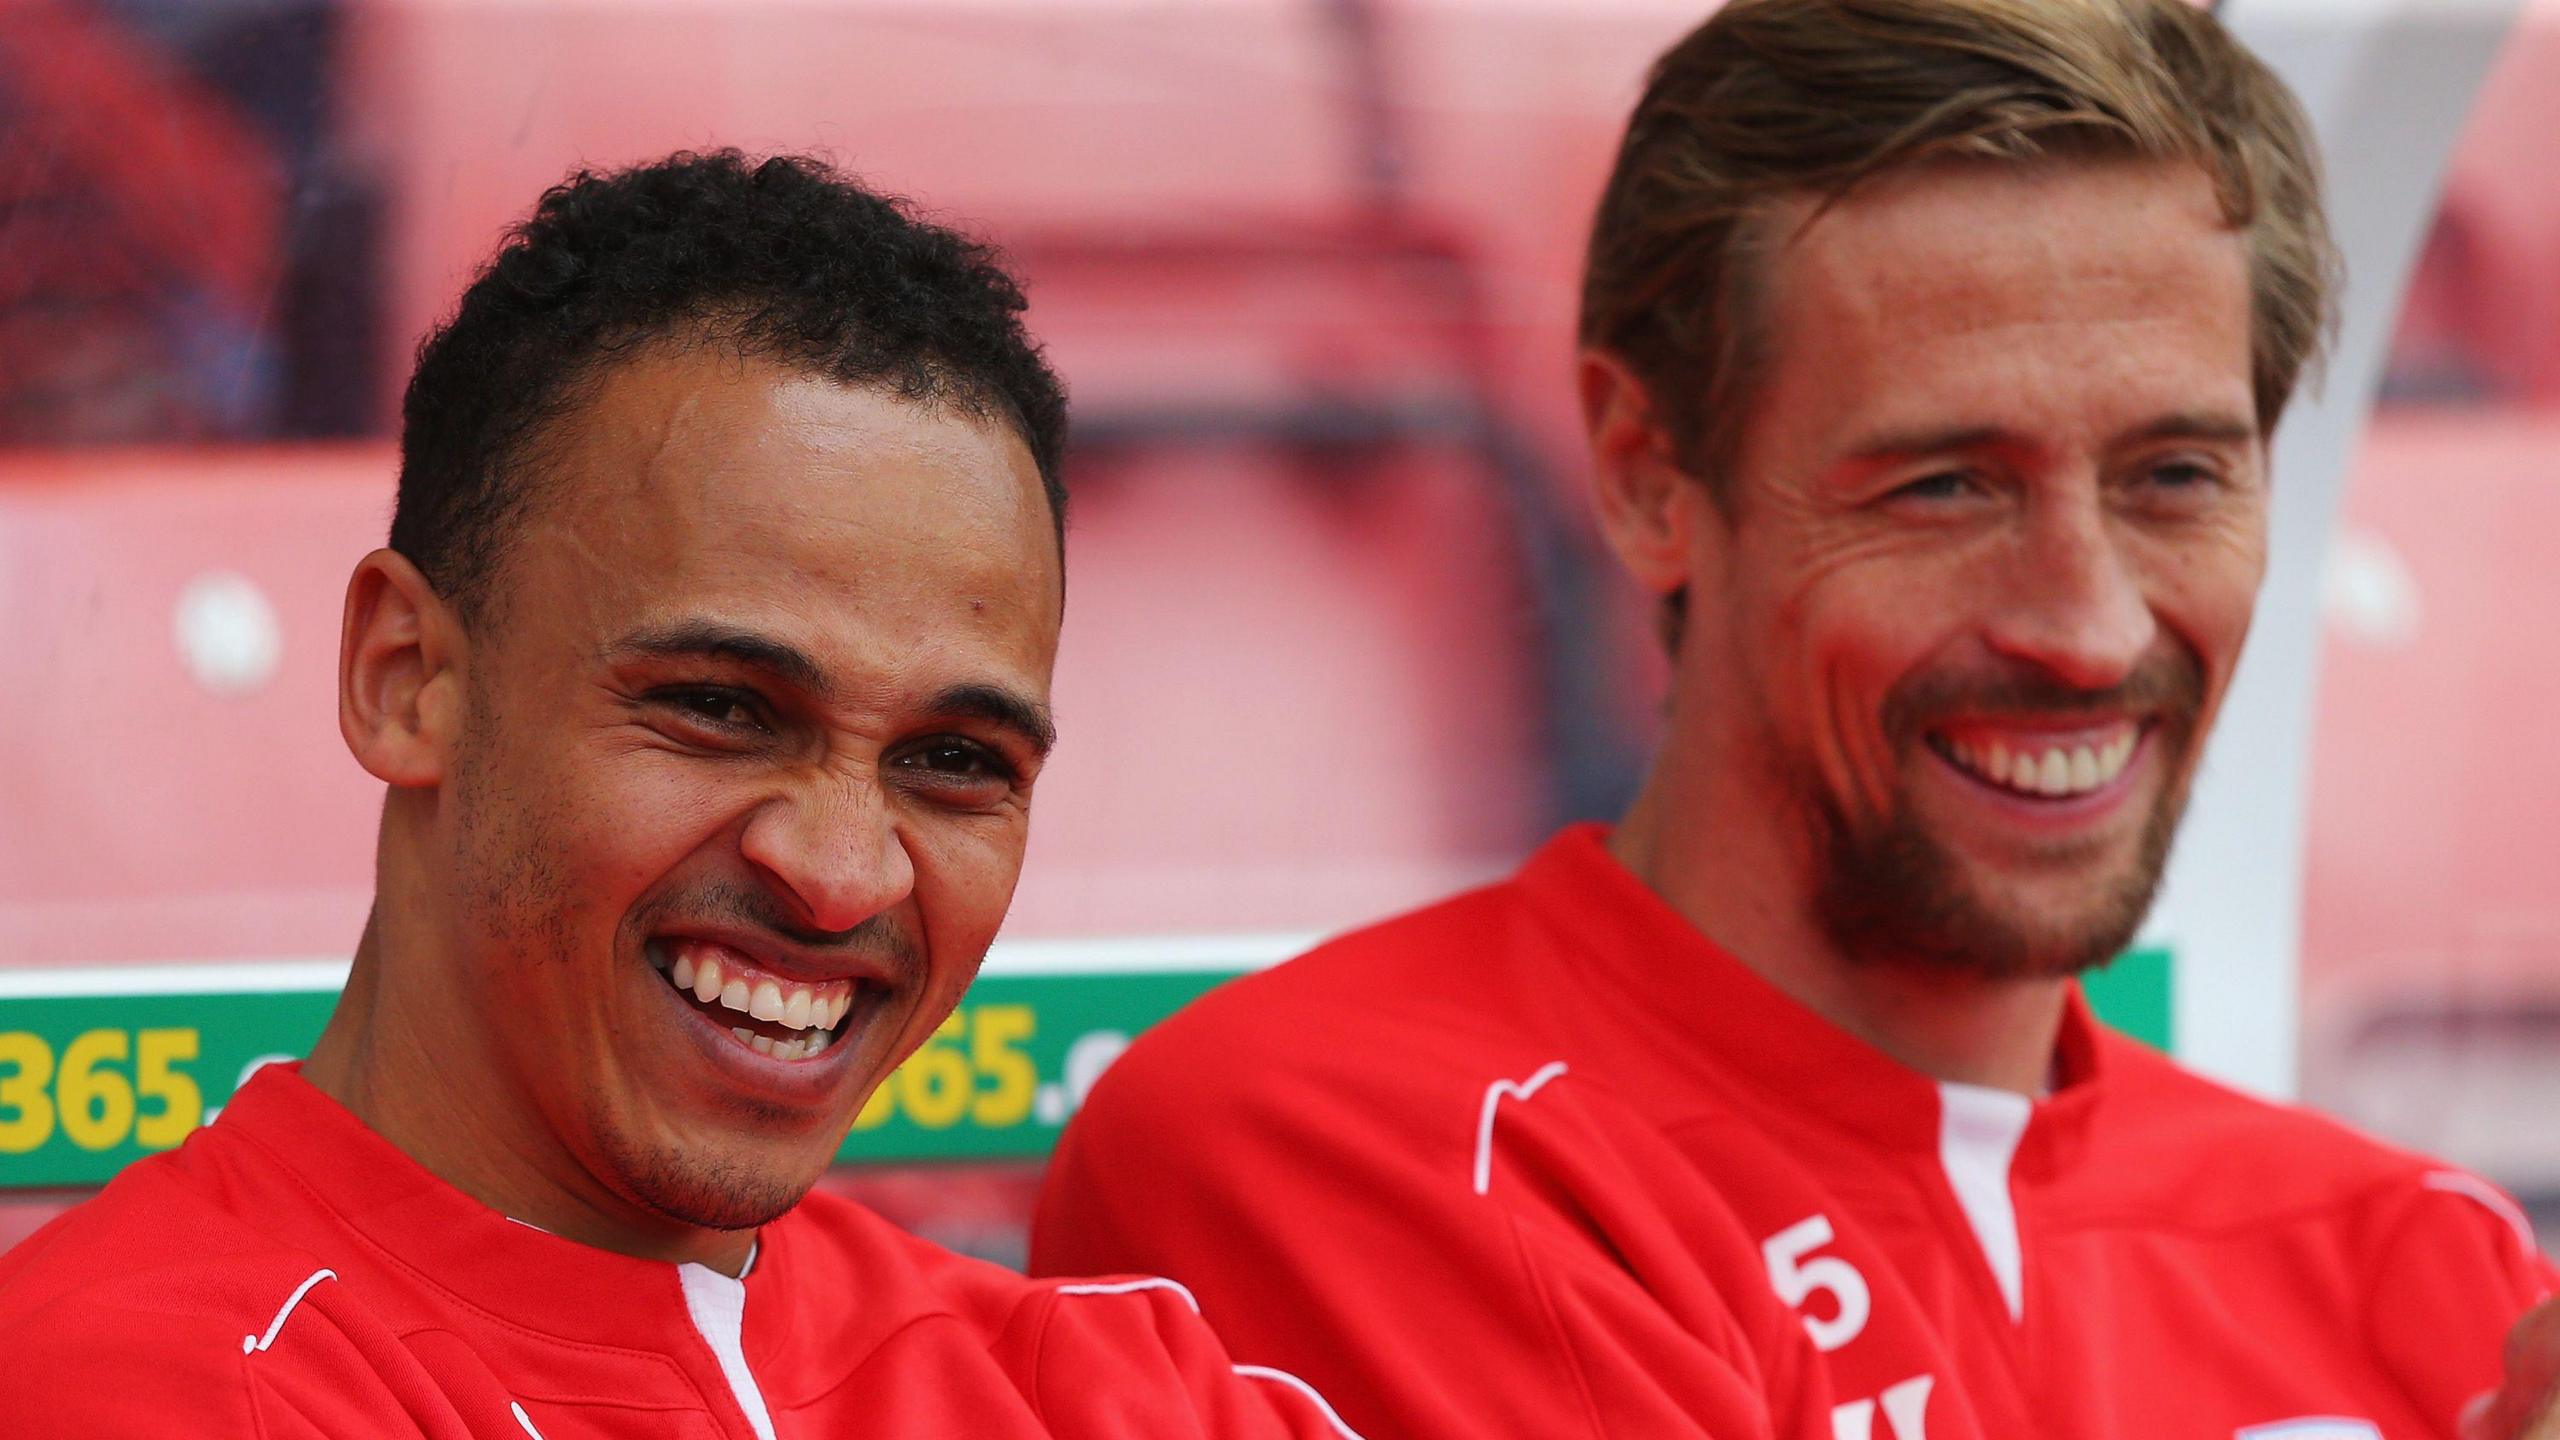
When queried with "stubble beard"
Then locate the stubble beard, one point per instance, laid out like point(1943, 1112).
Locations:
point(709, 1192)
point(1892, 893)
point(1889, 891)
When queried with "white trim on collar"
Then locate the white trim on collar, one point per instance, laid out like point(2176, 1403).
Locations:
point(718, 1306)
point(1978, 1134)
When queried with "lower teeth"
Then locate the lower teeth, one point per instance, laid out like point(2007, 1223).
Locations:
point(796, 1047)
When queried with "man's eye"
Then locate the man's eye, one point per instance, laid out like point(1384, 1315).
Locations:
point(728, 709)
point(1943, 485)
point(957, 759)
point(2181, 475)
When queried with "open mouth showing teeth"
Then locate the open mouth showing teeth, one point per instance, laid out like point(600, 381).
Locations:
point(769, 1014)
point(2045, 771)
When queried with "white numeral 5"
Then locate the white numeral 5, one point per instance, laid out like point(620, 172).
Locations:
point(1795, 1278)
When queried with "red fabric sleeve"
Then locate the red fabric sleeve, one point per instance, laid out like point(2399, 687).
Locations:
point(172, 1352)
point(1131, 1357)
point(1330, 1226)
point(2456, 1266)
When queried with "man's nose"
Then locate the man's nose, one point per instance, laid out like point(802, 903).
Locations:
point(2072, 602)
point(832, 844)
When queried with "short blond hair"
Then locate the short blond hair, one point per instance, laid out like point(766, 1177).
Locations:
point(1774, 99)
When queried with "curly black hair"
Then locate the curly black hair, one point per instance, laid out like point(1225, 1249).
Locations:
point(783, 258)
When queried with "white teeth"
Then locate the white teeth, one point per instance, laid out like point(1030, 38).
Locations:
point(2054, 771)
point(2056, 776)
point(813, 1010)
point(789, 1047)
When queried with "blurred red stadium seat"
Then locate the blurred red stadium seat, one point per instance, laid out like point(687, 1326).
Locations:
point(2435, 793)
point(2483, 312)
point(169, 758)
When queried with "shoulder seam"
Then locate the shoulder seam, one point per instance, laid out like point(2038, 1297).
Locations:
point(2489, 1197)
point(1306, 1391)
point(2366, 1193)
point(1130, 1287)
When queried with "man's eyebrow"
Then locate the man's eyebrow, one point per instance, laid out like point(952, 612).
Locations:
point(1929, 440)
point(2212, 426)
point(2207, 425)
point(996, 705)
point(710, 639)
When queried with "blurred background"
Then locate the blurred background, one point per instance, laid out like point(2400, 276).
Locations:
point(1341, 639)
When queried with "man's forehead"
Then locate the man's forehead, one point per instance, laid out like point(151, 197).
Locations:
point(700, 482)
point(2106, 296)
point(1982, 243)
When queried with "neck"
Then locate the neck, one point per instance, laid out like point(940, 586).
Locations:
point(415, 1076)
point(1736, 882)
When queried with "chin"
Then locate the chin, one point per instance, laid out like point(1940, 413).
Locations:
point(1901, 898)
point(728, 1187)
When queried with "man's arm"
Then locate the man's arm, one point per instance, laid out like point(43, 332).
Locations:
point(1132, 1356)
point(2526, 1404)
point(180, 1353)
point(1433, 1276)
point(2457, 1266)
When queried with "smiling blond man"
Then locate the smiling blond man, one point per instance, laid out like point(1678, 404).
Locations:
point(708, 670)
point(1932, 348)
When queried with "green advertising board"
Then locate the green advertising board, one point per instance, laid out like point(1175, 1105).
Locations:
point(101, 1067)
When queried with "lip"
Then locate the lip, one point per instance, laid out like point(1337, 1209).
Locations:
point(784, 961)
point(2050, 730)
point(2048, 815)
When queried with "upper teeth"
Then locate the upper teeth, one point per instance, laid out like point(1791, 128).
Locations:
point(2053, 770)
point(699, 968)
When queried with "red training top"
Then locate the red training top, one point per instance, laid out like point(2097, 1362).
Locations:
point(1543, 1161)
point(288, 1273)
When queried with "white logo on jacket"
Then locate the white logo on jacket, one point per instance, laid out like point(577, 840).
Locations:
point(2312, 1427)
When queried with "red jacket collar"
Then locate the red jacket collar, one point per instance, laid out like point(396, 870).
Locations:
point(1712, 1011)
point(444, 1239)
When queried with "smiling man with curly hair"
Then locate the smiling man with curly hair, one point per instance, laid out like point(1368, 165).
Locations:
point(708, 672)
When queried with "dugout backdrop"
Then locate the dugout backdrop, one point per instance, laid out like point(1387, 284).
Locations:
point(99, 1066)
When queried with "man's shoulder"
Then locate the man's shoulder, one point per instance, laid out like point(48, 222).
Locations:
point(1380, 1053)
point(1430, 984)
point(150, 1240)
point(837, 1246)
point(1114, 1345)
point(149, 1296)
point(2215, 1157)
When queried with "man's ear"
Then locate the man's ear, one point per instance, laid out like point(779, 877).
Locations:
point(400, 652)
point(1648, 505)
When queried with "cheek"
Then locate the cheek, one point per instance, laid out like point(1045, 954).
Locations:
point(629, 816)
point(1851, 638)
point(2207, 593)
point(965, 872)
